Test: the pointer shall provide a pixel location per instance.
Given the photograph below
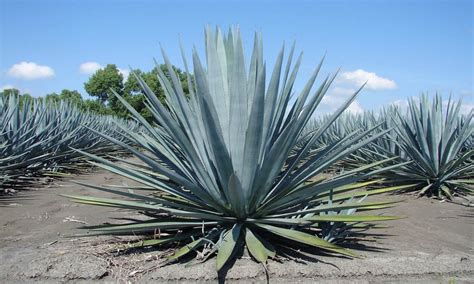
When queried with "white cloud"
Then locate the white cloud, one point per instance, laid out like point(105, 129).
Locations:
point(342, 92)
point(30, 71)
point(334, 98)
point(374, 82)
point(355, 108)
point(337, 96)
point(89, 67)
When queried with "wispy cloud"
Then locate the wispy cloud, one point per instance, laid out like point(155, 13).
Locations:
point(374, 82)
point(347, 84)
point(337, 96)
point(355, 108)
point(89, 68)
point(30, 71)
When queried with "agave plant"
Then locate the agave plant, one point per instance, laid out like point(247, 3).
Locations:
point(36, 139)
point(439, 142)
point(223, 166)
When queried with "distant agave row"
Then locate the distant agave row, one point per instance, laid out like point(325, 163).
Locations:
point(437, 140)
point(37, 138)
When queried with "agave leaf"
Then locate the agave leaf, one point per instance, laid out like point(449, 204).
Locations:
point(306, 239)
point(236, 196)
point(325, 208)
point(341, 197)
point(177, 202)
point(352, 218)
point(150, 227)
point(145, 206)
point(256, 248)
point(227, 245)
point(187, 249)
point(160, 241)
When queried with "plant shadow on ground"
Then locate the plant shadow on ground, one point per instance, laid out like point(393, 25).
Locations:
point(6, 199)
point(305, 254)
point(468, 214)
point(22, 188)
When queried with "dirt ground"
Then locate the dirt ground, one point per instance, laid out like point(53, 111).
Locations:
point(434, 244)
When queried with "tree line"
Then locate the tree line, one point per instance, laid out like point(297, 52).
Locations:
point(103, 101)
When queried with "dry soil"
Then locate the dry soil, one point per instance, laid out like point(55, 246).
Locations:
point(434, 244)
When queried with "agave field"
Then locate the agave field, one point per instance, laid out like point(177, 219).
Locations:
point(39, 139)
point(244, 161)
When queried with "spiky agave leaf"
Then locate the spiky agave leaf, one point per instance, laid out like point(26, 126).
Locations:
point(439, 142)
point(234, 175)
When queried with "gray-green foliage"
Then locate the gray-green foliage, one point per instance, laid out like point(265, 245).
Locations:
point(439, 142)
point(223, 166)
point(436, 140)
point(37, 137)
point(382, 148)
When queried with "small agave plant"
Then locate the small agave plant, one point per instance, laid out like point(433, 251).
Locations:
point(223, 166)
point(439, 142)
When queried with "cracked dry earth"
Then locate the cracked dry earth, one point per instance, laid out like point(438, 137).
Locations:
point(434, 244)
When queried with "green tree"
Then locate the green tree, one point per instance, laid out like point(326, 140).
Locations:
point(95, 106)
point(15, 92)
point(134, 93)
point(71, 96)
point(52, 98)
point(25, 97)
point(138, 103)
point(66, 95)
point(101, 83)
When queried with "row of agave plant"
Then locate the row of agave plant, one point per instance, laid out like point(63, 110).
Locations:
point(435, 137)
point(38, 139)
point(233, 165)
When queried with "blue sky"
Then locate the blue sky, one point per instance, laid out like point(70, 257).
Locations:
point(402, 47)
